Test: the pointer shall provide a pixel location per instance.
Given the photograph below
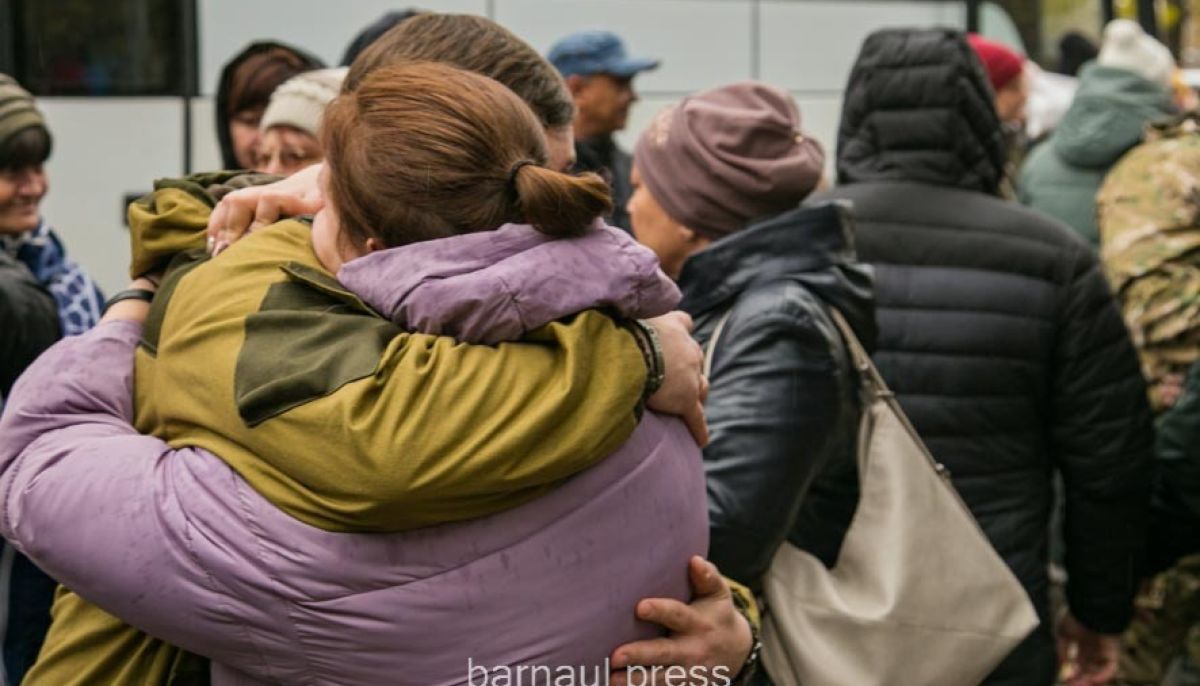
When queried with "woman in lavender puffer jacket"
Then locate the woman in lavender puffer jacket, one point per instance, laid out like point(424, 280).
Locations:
point(189, 549)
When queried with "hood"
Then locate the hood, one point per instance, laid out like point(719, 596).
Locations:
point(493, 286)
point(228, 159)
point(813, 246)
point(1108, 116)
point(918, 107)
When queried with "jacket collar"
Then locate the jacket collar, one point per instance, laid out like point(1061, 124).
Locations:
point(803, 240)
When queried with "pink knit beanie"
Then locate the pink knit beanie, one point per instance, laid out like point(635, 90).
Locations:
point(724, 157)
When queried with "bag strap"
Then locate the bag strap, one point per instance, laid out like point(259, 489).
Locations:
point(858, 354)
point(875, 386)
point(711, 349)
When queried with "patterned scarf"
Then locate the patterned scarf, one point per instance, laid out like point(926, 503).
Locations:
point(79, 299)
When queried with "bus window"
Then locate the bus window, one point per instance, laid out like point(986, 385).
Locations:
point(1041, 24)
point(83, 47)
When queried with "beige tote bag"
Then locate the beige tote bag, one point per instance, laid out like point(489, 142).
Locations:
point(918, 596)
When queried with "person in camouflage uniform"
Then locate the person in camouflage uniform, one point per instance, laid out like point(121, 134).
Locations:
point(1149, 217)
point(1163, 644)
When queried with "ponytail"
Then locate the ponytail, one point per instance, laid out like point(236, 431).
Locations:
point(421, 151)
point(557, 204)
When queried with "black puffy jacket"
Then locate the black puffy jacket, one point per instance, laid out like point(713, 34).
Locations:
point(783, 406)
point(997, 331)
point(28, 317)
point(29, 322)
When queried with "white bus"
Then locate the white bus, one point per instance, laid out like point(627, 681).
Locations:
point(127, 85)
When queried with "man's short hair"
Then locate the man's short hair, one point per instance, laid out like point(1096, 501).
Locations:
point(476, 44)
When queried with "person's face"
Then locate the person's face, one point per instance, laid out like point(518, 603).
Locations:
point(560, 149)
point(602, 102)
point(283, 151)
point(21, 191)
point(1011, 100)
point(330, 246)
point(244, 134)
point(654, 228)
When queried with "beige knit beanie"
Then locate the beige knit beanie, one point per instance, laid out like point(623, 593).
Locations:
point(1126, 46)
point(300, 101)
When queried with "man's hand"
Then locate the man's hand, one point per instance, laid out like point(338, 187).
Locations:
point(247, 209)
point(709, 639)
point(1170, 389)
point(1090, 658)
point(684, 387)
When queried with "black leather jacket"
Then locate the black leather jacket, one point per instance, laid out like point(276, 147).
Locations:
point(783, 406)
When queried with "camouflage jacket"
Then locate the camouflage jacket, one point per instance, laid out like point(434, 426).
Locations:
point(1149, 216)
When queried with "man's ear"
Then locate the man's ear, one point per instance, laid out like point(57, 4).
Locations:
point(372, 245)
point(576, 84)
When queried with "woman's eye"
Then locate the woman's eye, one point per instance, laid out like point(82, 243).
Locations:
point(298, 157)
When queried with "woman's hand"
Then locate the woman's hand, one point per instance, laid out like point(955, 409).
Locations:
point(709, 640)
point(684, 387)
point(132, 310)
point(247, 209)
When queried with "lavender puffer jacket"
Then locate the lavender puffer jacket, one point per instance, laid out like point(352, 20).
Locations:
point(174, 542)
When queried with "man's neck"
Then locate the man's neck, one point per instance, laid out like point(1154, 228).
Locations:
point(586, 131)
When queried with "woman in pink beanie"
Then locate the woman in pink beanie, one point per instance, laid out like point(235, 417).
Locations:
point(718, 182)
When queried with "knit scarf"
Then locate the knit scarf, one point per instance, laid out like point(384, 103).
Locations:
point(79, 299)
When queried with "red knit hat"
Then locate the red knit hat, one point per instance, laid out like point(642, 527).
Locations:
point(1001, 62)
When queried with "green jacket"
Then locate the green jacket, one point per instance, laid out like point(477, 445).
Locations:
point(1176, 504)
point(1062, 175)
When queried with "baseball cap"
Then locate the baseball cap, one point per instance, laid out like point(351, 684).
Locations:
point(596, 52)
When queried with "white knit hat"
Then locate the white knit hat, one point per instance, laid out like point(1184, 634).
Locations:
point(300, 101)
point(1127, 46)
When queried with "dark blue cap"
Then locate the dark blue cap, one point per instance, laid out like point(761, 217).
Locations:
point(596, 52)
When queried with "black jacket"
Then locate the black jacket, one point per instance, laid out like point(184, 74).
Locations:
point(228, 158)
point(1175, 506)
point(602, 155)
point(997, 331)
point(783, 406)
point(28, 318)
point(28, 325)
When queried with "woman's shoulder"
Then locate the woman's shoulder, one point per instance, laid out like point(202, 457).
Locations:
point(777, 305)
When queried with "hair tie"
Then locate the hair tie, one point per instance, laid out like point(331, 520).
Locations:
point(512, 172)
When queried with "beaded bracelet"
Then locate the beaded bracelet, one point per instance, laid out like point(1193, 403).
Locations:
point(651, 347)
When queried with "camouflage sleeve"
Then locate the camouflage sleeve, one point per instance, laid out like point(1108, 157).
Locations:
point(747, 606)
